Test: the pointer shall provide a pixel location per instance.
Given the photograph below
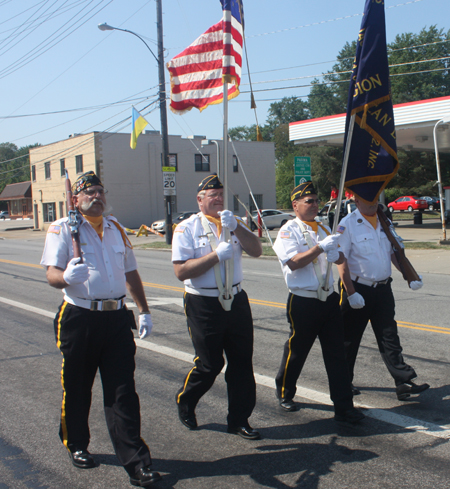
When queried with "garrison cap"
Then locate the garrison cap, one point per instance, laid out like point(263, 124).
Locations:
point(305, 188)
point(209, 182)
point(85, 181)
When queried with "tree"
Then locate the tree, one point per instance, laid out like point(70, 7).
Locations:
point(432, 77)
point(14, 164)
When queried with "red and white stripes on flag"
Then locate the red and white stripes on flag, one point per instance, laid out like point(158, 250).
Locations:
point(198, 73)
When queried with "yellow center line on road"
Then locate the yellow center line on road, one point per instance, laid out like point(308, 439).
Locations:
point(33, 265)
point(259, 302)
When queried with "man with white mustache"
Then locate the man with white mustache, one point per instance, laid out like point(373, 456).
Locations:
point(93, 329)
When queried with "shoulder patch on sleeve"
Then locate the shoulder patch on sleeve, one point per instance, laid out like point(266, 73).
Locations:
point(285, 234)
point(180, 229)
point(340, 229)
point(54, 228)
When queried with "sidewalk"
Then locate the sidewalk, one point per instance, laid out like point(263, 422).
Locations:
point(424, 261)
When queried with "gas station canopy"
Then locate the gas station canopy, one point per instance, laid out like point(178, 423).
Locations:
point(414, 124)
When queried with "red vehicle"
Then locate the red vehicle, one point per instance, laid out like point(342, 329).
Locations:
point(408, 203)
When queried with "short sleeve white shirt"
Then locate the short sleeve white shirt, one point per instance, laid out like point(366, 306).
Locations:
point(367, 250)
point(108, 259)
point(290, 241)
point(190, 241)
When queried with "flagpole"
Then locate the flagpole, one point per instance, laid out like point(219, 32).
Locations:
point(224, 172)
point(337, 212)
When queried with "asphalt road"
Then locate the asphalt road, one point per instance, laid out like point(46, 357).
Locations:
point(399, 445)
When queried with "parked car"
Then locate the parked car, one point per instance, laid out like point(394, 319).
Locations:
point(434, 203)
point(271, 217)
point(328, 211)
point(4, 215)
point(160, 225)
point(408, 203)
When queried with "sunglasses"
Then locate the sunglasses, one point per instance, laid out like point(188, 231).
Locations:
point(311, 201)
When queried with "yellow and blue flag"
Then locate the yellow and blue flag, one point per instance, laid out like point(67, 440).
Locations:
point(373, 158)
point(137, 126)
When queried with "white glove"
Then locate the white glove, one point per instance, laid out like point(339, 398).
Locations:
point(356, 301)
point(76, 274)
point(145, 325)
point(330, 242)
point(224, 251)
point(416, 284)
point(333, 255)
point(228, 220)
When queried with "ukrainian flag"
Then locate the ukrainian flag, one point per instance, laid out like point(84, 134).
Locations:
point(137, 126)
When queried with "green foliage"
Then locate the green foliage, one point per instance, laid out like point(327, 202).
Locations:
point(17, 170)
point(420, 86)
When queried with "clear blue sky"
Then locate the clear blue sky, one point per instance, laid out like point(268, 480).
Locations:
point(94, 70)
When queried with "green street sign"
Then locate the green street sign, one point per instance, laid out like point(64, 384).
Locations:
point(302, 169)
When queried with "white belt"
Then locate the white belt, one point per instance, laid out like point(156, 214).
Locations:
point(308, 293)
point(101, 305)
point(213, 292)
point(369, 283)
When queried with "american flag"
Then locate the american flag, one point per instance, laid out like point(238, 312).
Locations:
point(197, 74)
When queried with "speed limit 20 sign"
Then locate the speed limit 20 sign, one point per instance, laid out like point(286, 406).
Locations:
point(169, 182)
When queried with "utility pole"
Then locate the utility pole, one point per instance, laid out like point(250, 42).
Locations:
point(163, 115)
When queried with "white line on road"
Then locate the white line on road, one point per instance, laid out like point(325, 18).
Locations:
point(406, 422)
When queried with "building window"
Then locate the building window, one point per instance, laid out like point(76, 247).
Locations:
point(33, 173)
point(201, 162)
point(61, 209)
point(259, 201)
point(235, 203)
point(235, 164)
point(62, 164)
point(79, 163)
point(49, 212)
point(47, 170)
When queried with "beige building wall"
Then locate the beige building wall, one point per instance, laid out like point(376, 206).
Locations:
point(134, 178)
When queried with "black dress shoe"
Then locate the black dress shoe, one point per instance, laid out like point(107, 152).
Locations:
point(82, 459)
point(246, 432)
point(189, 420)
point(288, 405)
point(145, 477)
point(405, 390)
point(355, 391)
point(352, 416)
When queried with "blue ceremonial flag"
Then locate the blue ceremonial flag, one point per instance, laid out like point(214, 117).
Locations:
point(373, 158)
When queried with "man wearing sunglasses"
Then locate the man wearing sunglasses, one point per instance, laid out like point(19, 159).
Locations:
point(304, 248)
point(93, 329)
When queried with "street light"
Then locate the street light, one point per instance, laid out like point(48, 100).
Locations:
point(208, 142)
point(107, 27)
point(438, 168)
point(162, 105)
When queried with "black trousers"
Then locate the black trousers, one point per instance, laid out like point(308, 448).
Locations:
point(91, 340)
point(311, 318)
point(214, 331)
point(380, 311)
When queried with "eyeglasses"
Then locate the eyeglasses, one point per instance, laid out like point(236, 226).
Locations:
point(218, 195)
point(93, 191)
point(311, 201)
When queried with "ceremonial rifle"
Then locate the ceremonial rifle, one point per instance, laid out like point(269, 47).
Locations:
point(73, 221)
point(408, 272)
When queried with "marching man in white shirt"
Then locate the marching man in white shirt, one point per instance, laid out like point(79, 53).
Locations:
point(199, 254)
point(304, 248)
point(367, 294)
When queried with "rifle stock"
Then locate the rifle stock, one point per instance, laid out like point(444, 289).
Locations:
point(408, 272)
point(73, 220)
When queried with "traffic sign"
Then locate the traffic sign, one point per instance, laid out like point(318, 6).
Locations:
point(169, 183)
